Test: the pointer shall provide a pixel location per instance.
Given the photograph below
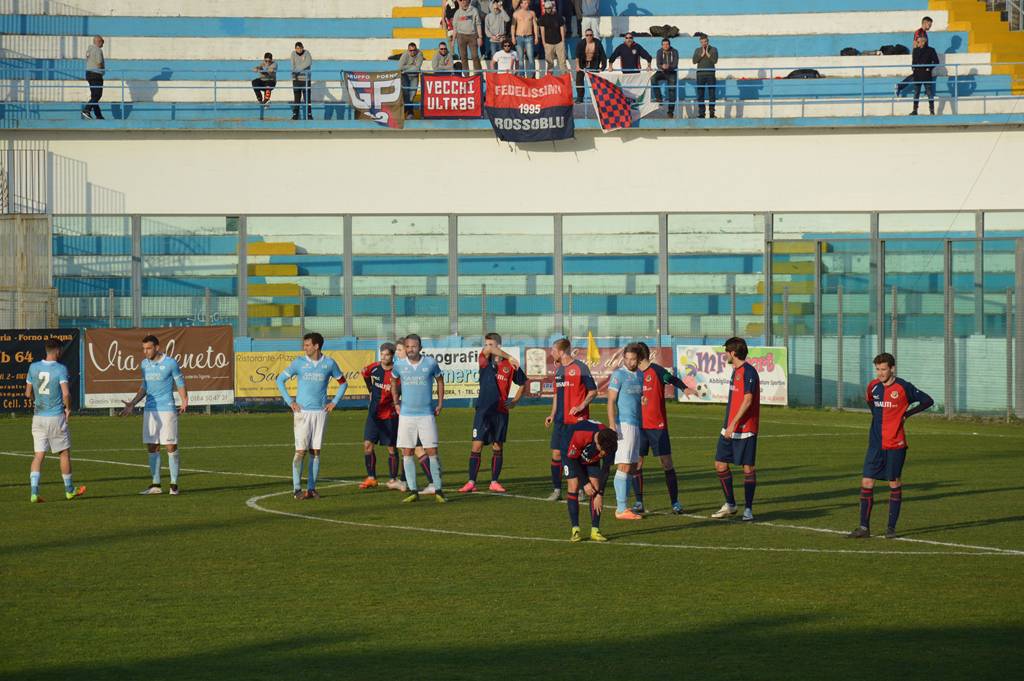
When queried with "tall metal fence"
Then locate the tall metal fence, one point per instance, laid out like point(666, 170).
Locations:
point(944, 289)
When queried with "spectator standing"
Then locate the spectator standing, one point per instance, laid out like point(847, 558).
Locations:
point(505, 60)
point(590, 57)
point(302, 71)
point(705, 57)
point(924, 60)
point(668, 69)
point(495, 28)
point(588, 13)
point(447, 15)
point(629, 54)
point(552, 35)
point(469, 34)
point(926, 25)
point(95, 67)
point(266, 78)
point(526, 33)
point(410, 64)
point(442, 61)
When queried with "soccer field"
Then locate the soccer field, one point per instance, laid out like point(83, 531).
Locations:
point(236, 579)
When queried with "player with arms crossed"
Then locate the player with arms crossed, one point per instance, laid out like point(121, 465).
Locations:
point(313, 370)
point(654, 428)
point(417, 413)
point(161, 377)
point(574, 391)
point(46, 384)
point(892, 401)
point(588, 453)
point(498, 371)
point(738, 441)
point(624, 392)
point(381, 420)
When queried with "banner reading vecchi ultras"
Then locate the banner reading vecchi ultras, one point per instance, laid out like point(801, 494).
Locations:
point(204, 353)
point(451, 96)
point(18, 349)
point(256, 372)
point(461, 368)
point(710, 368)
point(530, 109)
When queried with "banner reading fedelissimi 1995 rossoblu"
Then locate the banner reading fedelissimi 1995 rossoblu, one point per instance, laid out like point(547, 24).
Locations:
point(530, 109)
point(709, 367)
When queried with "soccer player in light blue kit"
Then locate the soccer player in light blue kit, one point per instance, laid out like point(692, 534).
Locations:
point(161, 377)
point(313, 371)
point(417, 412)
point(47, 385)
point(624, 392)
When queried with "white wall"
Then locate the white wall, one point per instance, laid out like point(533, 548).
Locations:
point(469, 171)
point(212, 8)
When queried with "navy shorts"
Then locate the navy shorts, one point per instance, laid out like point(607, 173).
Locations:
point(739, 452)
point(574, 468)
point(884, 464)
point(381, 431)
point(656, 440)
point(490, 427)
point(560, 435)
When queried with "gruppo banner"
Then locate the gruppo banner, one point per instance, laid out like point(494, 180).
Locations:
point(709, 367)
point(530, 109)
point(452, 96)
point(377, 97)
point(461, 368)
point(540, 368)
point(18, 349)
point(113, 358)
point(256, 372)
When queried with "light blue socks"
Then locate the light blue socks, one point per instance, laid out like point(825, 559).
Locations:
point(297, 472)
point(409, 464)
point(621, 491)
point(435, 470)
point(154, 466)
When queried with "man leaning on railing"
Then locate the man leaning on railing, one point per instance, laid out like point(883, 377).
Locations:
point(95, 67)
point(302, 85)
point(590, 56)
point(924, 60)
point(410, 65)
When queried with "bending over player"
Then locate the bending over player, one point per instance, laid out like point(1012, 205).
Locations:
point(586, 464)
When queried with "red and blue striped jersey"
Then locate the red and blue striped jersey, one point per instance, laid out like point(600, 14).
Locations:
point(496, 379)
point(890, 407)
point(583, 434)
point(744, 381)
point(652, 403)
point(572, 383)
point(378, 382)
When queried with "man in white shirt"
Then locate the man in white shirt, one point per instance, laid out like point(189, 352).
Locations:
point(505, 60)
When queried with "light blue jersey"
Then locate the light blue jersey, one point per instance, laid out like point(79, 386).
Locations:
point(160, 378)
point(417, 385)
point(629, 385)
point(46, 377)
point(313, 377)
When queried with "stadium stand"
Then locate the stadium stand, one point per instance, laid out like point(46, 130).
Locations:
point(188, 61)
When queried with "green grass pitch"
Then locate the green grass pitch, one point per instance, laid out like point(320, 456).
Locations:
point(234, 579)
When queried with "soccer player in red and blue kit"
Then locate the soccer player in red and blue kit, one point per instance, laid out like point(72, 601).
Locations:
point(654, 428)
point(892, 401)
point(381, 420)
point(498, 371)
point(575, 389)
point(589, 452)
point(738, 441)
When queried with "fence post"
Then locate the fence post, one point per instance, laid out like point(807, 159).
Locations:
point(785, 323)
point(243, 275)
point(137, 270)
point(110, 308)
point(1018, 351)
point(769, 287)
point(568, 312)
point(664, 300)
point(302, 312)
point(817, 324)
point(880, 296)
point(949, 348)
point(348, 276)
point(732, 308)
point(453, 275)
point(1009, 354)
point(839, 346)
point(394, 311)
point(207, 308)
point(483, 311)
point(657, 317)
point(893, 323)
point(557, 272)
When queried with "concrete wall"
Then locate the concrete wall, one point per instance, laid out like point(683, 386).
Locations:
point(469, 171)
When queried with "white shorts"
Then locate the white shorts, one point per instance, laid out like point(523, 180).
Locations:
point(309, 429)
point(411, 428)
point(50, 433)
point(629, 444)
point(160, 427)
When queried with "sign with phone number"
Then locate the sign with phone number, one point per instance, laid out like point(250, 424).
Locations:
point(18, 349)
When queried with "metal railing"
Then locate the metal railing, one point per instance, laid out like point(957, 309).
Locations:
point(1013, 9)
point(741, 92)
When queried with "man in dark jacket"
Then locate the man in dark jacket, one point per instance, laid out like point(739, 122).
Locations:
point(705, 57)
point(668, 65)
point(629, 54)
point(589, 57)
point(924, 60)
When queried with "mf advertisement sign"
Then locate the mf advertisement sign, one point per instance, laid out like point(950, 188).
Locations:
point(540, 368)
point(709, 367)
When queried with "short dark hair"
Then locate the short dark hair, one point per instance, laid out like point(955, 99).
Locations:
point(300, 45)
point(607, 441)
point(267, 55)
point(442, 44)
point(927, 19)
point(562, 344)
point(52, 344)
point(635, 349)
point(413, 337)
point(666, 40)
point(496, 337)
point(317, 339)
point(411, 45)
point(738, 346)
point(151, 339)
point(390, 347)
point(644, 349)
point(885, 358)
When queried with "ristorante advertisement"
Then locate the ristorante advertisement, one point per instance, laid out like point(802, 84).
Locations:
point(530, 109)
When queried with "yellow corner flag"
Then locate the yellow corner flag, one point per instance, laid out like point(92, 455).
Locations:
point(593, 354)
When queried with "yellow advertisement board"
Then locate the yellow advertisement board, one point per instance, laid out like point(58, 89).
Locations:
point(256, 372)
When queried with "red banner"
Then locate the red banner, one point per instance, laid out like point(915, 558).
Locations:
point(530, 109)
point(540, 369)
point(452, 97)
